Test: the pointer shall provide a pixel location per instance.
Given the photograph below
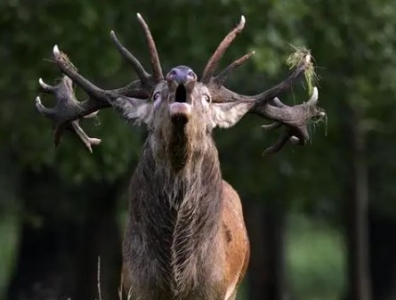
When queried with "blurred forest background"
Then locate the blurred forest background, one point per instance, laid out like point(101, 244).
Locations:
point(321, 218)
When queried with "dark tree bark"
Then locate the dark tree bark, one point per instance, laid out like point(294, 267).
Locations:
point(266, 275)
point(356, 213)
point(64, 231)
point(382, 230)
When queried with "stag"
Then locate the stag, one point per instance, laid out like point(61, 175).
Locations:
point(185, 238)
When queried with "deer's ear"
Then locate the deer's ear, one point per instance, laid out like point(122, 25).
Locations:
point(225, 115)
point(134, 110)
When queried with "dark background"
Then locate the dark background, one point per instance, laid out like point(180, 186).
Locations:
point(321, 218)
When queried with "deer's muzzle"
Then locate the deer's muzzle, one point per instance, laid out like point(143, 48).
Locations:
point(181, 82)
point(181, 75)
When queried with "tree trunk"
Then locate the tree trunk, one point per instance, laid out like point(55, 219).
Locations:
point(64, 231)
point(382, 255)
point(356, 217)
point(266, 276)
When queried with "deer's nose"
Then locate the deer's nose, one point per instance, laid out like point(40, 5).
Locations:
point(181, 75)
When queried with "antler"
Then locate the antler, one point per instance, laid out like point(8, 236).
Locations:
point(266, 104)
point(68, 110)
point(218, 54)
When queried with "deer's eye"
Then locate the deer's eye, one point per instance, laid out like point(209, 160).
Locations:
point(207, 98)
point(156, 96)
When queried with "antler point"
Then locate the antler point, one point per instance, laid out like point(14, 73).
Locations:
point(56, 50)
point(95, 141)
point(294, 140)
point(113, 36)
point(314, 97)
point(44, 86)
point(243, 20)
point(315, 91)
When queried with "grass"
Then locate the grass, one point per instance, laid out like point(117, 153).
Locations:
point(8, 238)
point(315, 259)
point(296, 59)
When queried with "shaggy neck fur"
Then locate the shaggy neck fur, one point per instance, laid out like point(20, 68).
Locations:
point(175, 209)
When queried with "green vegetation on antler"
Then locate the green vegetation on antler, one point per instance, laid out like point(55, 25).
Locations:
point(295, 59)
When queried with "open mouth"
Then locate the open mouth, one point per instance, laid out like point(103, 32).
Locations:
point(181, 94)
point(180, 110)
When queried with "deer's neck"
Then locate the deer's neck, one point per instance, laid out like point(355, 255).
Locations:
point(177, 214)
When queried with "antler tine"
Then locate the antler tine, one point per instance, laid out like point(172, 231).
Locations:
point(155, 61)
point(45, 87)
point(294, 118)
point(68, 110)
point(221, 94)
point(210, 67)
point(134, 62)
point(75, 127)
point(279, 144)
point(70, 70)
point(223, 76)
point(285, 85)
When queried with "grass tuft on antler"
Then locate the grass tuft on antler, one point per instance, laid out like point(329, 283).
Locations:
point(295, 59)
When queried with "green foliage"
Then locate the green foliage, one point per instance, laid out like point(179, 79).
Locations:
point(8, 234)
point(354, 45)
point(315, 259)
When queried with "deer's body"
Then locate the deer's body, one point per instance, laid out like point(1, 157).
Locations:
point(185, 237)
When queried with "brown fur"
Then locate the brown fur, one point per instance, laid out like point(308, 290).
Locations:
point(234, 242)
point(237, 243)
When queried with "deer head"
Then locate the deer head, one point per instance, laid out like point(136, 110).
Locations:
point(180, 110)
